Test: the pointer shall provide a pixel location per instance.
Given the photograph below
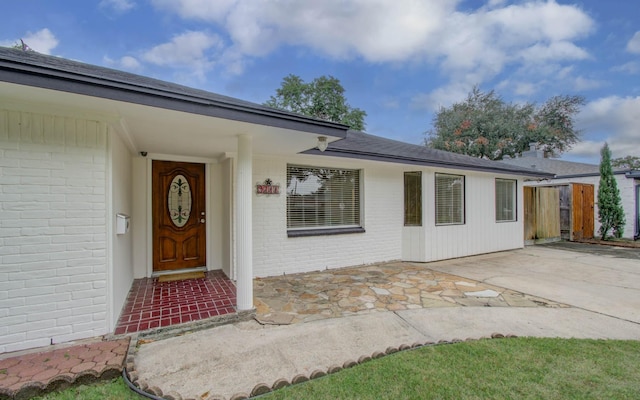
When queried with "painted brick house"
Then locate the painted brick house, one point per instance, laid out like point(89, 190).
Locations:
point(107, 177)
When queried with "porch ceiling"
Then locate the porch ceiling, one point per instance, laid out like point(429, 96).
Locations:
point(159, 130)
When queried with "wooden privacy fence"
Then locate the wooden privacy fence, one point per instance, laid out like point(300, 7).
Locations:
point(541, 213)
point(563, 211)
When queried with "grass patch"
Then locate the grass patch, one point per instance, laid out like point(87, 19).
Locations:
point(522, 368)
point(115, 389)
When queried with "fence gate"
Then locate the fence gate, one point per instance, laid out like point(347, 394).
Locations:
point(582, 215)
point(541, 213)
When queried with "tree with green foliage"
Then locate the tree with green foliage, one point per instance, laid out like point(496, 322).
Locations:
point(485, 126)
point(610, 212)
point(322, 98)
point(629, 162)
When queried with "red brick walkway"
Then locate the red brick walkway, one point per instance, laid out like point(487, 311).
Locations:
point(29, 375)
point(152, 304)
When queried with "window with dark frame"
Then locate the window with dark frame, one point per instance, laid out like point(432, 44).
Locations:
point(505, 200)
point(319, 198)
point(413, 198)
point(450, 204)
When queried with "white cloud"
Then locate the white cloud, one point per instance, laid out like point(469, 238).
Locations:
point(525, 89)
point(127, 62)
point(632, 67)
point(441, 97)
point(119, 6)
point(581, 84)
point(541, 53)
point(481, 41)
point(616, 119)
point(634, 44)
point(193, 50)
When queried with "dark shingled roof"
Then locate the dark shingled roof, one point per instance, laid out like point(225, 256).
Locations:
point(34, 69)
point(361, 145)
point(38, 70)
point(560, 168)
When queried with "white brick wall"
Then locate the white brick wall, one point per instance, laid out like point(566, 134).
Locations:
point(275, 253)
point(52, 229)
point(383, 208)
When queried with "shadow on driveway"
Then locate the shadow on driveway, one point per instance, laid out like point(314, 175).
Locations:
point(596, 249)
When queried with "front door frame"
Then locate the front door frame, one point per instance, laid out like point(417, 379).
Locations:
point(149, 204)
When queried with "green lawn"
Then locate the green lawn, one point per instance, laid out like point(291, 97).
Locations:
point(110, 390)
point(518, 368)
point(521, 368)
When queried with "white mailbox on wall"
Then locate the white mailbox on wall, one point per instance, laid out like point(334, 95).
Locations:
point(122, 224)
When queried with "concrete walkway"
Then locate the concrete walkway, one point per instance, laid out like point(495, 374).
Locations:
point(235, 360)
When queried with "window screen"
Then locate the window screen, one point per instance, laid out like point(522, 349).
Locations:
point(449, 199)
point(505, 200)
point(413, 198)
point(322, 197)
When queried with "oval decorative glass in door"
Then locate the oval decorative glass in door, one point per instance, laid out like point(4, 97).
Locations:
point(179, 201)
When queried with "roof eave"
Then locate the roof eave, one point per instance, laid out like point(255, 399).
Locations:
point(417, 161)
point(590, 174)
point(49, 78)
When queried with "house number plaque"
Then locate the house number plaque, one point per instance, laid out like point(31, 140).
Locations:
point(267, 187)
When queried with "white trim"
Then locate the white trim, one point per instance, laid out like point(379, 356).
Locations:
point(187, 159)
point(244, 218)
point(179, 271)
point(54, 109)
point(149, 218)
point(207, 215)
point(110, 220)
point(126, 135)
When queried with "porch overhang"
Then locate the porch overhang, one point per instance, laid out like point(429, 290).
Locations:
point(156, 116)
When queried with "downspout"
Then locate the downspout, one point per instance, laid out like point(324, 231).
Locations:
point(637, 235)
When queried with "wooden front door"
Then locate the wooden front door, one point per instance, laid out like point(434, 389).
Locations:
point(179, 228)
point(583, 198)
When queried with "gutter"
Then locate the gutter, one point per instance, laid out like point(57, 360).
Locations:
point(19, 71)
point(419, 161)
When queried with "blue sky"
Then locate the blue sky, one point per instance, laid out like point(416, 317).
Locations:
point(398, 60)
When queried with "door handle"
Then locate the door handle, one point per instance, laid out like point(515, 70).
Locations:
point(202, 221)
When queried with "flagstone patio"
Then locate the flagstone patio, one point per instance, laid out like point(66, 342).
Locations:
point(391, 286)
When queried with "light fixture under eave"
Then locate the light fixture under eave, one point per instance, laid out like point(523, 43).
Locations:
point(322, 143)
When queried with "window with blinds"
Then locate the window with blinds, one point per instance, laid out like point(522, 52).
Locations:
point(449, 199)
point(413, 198)
point(505, 200)
point(322, 197)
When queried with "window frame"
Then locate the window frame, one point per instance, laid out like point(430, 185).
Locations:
point(416, 203)
point(462, 205)
point(514, 200)
point(325, 212)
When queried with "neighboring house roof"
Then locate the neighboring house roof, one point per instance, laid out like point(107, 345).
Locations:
point(34, 69)
point(561, 169)
point(634, 174)
point(361, 145)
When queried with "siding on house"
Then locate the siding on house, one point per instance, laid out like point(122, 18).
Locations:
point(385, 238)
point(53, 261)
point(480, 233)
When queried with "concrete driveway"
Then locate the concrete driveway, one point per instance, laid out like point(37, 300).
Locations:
point(604, 280)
